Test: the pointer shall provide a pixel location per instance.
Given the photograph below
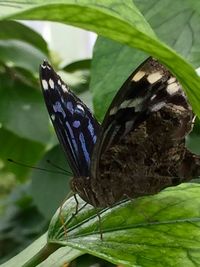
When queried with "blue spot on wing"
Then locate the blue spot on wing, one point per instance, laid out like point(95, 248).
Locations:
point(72, 138)
point(69, 106)
point(58, 108)
point(91, 130)
point(94, 139)
point(76, 124)
point(83, 145)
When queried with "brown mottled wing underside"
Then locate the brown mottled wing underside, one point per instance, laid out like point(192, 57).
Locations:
point(141, 148)
point(147, 160)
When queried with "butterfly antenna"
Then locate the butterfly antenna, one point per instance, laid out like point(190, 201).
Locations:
point(35, 168)
point(58, 167)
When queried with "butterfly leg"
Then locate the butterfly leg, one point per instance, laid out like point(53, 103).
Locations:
point(77, 204)
point(100, 225)
point(63, 222)
point(62, 218)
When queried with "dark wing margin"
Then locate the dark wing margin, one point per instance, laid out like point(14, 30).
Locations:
point(75, 126)
point(149, 88)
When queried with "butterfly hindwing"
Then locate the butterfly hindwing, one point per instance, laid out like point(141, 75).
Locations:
point(74, 124)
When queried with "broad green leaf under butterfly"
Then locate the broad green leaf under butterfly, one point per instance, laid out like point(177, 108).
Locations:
point(59, 257)
point(160, 230)
point(118, 20)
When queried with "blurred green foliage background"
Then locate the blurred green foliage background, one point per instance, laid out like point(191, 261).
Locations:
point(29, 198)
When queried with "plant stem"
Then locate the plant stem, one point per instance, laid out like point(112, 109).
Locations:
point(42, 255)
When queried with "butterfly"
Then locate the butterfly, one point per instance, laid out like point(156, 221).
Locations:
point(139, 149)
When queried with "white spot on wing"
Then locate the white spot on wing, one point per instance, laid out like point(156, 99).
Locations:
point(173, 88)
point(153, 96)
point(128, 126)
point(59, 82)
point(113, 111)
point(171, 80)
point(131, 103)
point(154, 77)
point(53, 117)
point(138, 76)
point(179, 108)
point(43, 66)
point(80, 107)
point(64, 88)
point(157, 106)
point(45, 85)
point(51, 83)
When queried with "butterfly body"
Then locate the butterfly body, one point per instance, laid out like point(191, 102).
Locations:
point(140, 147)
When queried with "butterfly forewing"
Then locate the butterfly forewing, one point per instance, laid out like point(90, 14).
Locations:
point(74, 124)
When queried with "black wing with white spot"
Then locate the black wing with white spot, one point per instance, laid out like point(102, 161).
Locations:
point(74, 124)
point(150, 87)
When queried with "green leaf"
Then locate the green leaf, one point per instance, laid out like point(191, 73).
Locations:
point(111, 65)
point(61, 257)
point(22, 109)
point(120, 21)
point(15, 30)
point(18, 149)
point(193, 140)
point(58, 258)
point(78, 75)
point(112, 62)
point(91, 261)
point(179, 27)
point(84, 64)
point(49, 189)
point(26, 254)
point(20, 54)
point(78, 81)
point(161, 230)
point(16, 233)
